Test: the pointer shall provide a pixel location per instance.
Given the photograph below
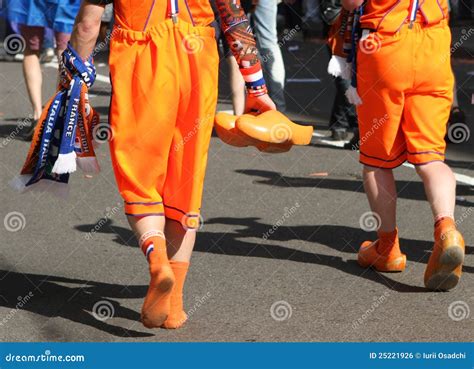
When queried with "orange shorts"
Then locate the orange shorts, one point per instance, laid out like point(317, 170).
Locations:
point(406, 86)
point(164, 95)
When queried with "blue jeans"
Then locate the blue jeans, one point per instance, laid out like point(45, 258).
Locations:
point(264, 24)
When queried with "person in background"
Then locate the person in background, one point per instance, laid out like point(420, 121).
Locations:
point(34, 16)
point(460, 10)
point(263, 19)
point(343, 114)
point(106, 22)
point(264, 23)
point(48, 46)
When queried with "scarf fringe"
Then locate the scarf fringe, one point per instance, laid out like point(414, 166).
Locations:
point(65, 163)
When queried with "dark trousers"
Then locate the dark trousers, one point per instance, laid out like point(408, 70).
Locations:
point(343, 114)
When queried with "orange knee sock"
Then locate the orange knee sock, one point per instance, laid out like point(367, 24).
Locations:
point(177, 317)
point(388, 242)
point(156, 307)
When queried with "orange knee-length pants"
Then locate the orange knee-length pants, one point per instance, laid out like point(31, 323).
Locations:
point(164, 95)
point(406, 86)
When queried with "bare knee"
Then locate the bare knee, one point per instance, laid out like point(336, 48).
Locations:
point(433, 168)
point(422, 170)
point(374, 170)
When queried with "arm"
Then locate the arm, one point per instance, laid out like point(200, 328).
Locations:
point(87, 26)
point(351, 4)
point(238, 34)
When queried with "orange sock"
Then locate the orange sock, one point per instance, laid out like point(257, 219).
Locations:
point(388, 242)
point(156, 306)
point(177, 317)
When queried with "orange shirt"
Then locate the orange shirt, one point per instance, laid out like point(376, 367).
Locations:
point(135, 15)
point(389, 16)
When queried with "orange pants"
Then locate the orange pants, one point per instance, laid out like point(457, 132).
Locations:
point(406, 86)
point(164, 95)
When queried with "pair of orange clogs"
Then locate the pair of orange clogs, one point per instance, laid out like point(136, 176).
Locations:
point(270, 131)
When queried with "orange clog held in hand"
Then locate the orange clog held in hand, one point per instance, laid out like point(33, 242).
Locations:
point(275, 128)
point(269, 132)
point(224, 123)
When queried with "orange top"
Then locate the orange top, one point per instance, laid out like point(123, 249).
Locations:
point(136, 15)
point(389, 16)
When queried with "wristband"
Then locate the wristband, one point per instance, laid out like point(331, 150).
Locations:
point(254, 81)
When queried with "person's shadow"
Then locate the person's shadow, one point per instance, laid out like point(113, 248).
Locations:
point(73, 299)
point(53, 298)
point(14, 129)
point(341, 238)
point(405, 189)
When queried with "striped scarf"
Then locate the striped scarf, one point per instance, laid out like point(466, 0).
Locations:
point(63, 135)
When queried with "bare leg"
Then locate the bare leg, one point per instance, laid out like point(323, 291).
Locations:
point(62, 40)
point(444, 267)
point(440, 187)
point(141, 225)
point(156, 306)
point(237, 86)
point(33, 79)
point(381, 192)
point(180, 242)
point(379, 185)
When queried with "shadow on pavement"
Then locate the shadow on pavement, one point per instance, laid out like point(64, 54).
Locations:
point(407, 190)
point(460, 164)
point(13, 131)
point(341, 238)
point(71, 299)
point(123, 236)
